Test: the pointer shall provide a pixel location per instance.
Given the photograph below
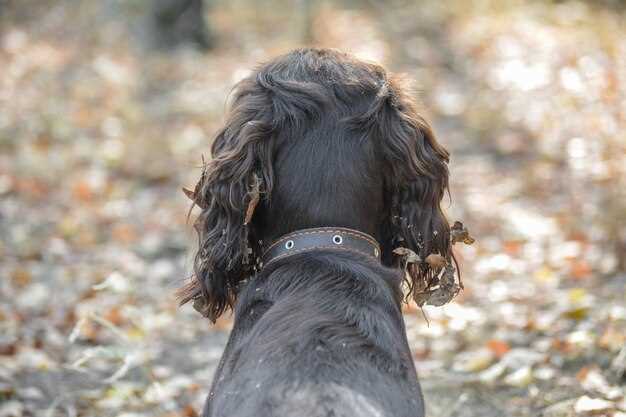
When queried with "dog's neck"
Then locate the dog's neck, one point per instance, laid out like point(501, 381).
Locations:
point(321, 238)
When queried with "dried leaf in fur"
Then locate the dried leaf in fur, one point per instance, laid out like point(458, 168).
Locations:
point(410, 257)
point(440, 290)
point(421, 298)
point(436, 261)
point(199, 304)
point(420, 283)
point(192, 196)
point(459, 233)
point(447, 290)
point(440, 296)
point(255, 196)
point(447, 278)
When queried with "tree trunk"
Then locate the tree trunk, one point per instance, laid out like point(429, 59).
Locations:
point(180, 22)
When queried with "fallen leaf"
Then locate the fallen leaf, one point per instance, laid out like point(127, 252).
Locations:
point(124, 233)
point(20, 278)
point(587, 404)
point(580, 269)
point(490, 375)
point(612, 338)
point(189, 411)
point(114, 315)
point(520, 378)
point(582, 373)
point(545, 275)
point(473, 361)
point(82, 191)
point(560, 409)
point(577, 295)
point(512, 247)
point(498, 347)
point(577, 313)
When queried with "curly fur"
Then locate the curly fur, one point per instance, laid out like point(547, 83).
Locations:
point(330, 141)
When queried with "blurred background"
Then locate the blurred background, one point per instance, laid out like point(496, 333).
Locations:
point(106, 108)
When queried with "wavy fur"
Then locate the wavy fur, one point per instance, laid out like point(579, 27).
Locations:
point(363, 128)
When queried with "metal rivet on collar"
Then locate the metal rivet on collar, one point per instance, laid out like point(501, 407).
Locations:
point(289, 244)
point(337, 240)
point(376, 252)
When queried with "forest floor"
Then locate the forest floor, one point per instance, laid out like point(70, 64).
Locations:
point(98, 135)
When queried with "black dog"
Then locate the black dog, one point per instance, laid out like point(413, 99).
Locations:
point(316, 139)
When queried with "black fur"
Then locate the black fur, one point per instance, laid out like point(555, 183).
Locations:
point(320, 334)
point(333, 141)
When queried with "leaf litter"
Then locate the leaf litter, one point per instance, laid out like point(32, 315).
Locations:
point(93, 238)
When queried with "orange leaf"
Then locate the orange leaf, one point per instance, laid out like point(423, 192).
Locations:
point(498, 347)
point(561, 346)
point(32, 188)
point(580, 269)
point(512, 247)
point(20, 277)
point(124, 233)
point(582, 374)
point(189, 411)
point(82, 191)
point(89, 331)
point(612, 339)
point(115, 316)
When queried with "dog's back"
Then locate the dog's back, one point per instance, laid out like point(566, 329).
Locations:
point(319, 334)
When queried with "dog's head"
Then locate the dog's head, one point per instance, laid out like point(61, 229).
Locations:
point(304, 98)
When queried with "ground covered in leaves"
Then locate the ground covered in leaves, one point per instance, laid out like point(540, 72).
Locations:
point(98, 133)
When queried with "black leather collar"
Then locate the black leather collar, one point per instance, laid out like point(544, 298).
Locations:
point(333, 238)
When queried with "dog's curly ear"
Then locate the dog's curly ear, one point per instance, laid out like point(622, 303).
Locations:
point(416, 180)
point(229, 189)
point(239, 176)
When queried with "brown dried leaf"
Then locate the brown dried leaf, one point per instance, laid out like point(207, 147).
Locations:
point(420, 284)
point(442, 295)
point(21, 277)
point(83, 191)
point(459, 233)
point(441, 289)
point(421, 298)
point(445, 288)
point(192, 196)
point(447, 278)
point(189, 411)
point(410, 257)
point(436, 261)
point(255, 196)
point(200, 305)
point(123, 233)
